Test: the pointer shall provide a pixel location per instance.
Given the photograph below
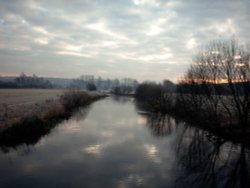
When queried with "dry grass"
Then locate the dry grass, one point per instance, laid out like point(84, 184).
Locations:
point(15, 104)
point(16, 97)
point(38, 120)
point(55, 103)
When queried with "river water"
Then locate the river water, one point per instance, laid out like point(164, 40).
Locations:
point(115, 143)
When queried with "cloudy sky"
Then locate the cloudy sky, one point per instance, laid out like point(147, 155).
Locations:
point(142, 39)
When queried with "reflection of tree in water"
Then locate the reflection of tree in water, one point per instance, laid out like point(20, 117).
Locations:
point(159, 124)
point(121, 99)
point(23, 136)
point(208, 161)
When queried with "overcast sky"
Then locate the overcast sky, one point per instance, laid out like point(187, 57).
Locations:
point(141, 39)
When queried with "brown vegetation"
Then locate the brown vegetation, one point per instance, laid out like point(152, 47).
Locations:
point(16, 104)
point(28, 128)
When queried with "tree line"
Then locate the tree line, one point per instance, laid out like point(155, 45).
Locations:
point(214, 92)
point(116, 86)
point(84, 82)
point(24, 81)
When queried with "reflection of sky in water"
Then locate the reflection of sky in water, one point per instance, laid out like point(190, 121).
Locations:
point(111, 147)
point(93, 149)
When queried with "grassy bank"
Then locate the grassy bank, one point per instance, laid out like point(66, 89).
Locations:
point(28, 128)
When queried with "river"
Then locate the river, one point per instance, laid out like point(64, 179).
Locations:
point(115, 143)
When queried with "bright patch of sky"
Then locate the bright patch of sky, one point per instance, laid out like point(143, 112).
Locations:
point(141, 39)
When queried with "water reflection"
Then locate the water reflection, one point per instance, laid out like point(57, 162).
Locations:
point(23, 141)
point(208, 161)
point(121, 100)
point(159, 124)
point(202, 159)
point(121, 145)
point(93, 149)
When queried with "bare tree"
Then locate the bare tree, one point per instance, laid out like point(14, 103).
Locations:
point(222, 67)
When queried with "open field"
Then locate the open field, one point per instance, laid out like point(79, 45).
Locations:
point(18, 103)
point(13, 97)
point(44, 104)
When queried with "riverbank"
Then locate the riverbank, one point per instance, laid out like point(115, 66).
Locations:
point(39, 119)
point(229, 132)
point(232, 133)
point(16, 104)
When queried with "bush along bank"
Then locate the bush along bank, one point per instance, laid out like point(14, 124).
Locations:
point(29, 129)
point(198, 109)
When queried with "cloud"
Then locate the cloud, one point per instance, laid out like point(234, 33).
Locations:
point(144, 39)
point(150, 2)
point(191, 44)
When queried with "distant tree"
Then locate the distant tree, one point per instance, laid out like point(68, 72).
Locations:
point(91, 87)
point(148, 90)
point(78, 84)
point(155, 96)
point(169, 86)
point(125, 89)
point(24, 81)
point(99, 82)
point(116, 82)
point(8, 84)
point(122, 90)
point(117, 90)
